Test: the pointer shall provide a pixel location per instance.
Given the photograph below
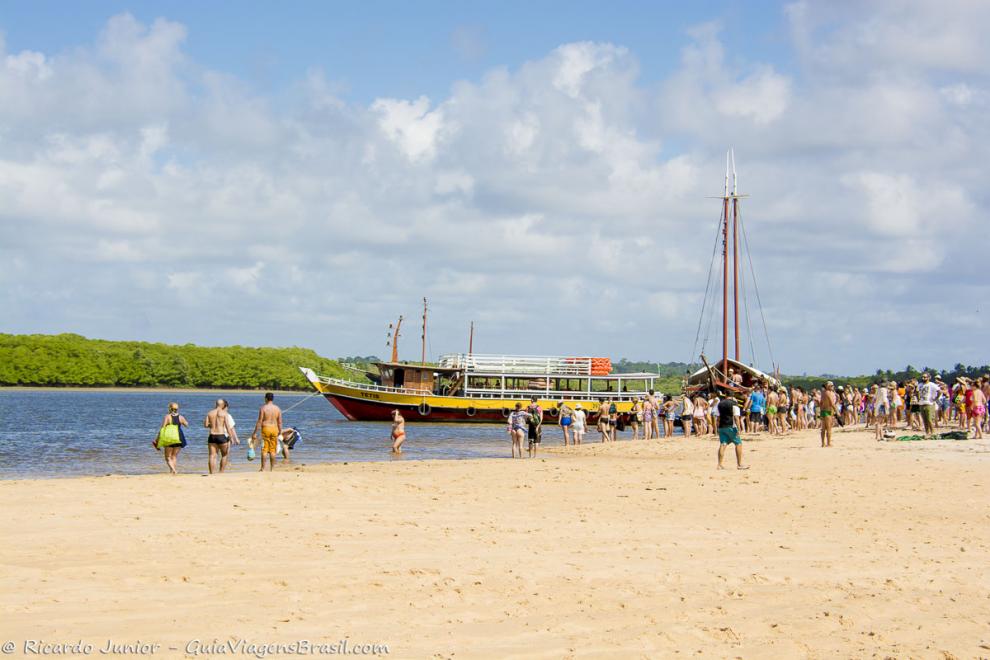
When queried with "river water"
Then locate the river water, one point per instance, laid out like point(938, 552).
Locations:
point(58, 433)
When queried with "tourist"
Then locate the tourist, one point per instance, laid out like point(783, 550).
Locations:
point(783, 411)
point(398, 432)
point(657, 408)
point(231, 423)
point(687, 415)
point(814, 408)
point(614, 422)
point(925, 396)
point(728, 433)
point(580, 423)
point(535, 425)
point(772, 399)
point(829, 410)
point(712, 409)
point(518, 421)
point(943, 404)
point(979, 414)
point(290, 436)
point(603, 420)
point(755, 403)
point(895, 404)
point(171, 439)
point(649, 417)
point(636, 417)
point(669, 416)
point(911, 409)
point(881, 405)
point(218, 440)
point(565, 419)
point(270, 423)
point(976, 404)
point(700, 414)
point(797, 408)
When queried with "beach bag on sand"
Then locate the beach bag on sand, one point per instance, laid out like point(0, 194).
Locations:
point(168, 436)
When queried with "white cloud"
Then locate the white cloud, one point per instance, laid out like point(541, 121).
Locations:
point(410, 125)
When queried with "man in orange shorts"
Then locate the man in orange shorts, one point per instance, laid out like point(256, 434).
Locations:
point(270, 422)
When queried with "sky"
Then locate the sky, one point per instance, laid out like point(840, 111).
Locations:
point(301, 175)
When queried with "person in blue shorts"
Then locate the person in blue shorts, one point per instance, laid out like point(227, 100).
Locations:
point(728, 433)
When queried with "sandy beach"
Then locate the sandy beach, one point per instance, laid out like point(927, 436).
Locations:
point(633, 549)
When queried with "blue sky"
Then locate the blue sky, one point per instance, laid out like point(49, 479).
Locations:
point(303, 174)
point(402, 49)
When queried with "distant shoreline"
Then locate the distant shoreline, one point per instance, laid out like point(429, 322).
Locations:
point(147, 390)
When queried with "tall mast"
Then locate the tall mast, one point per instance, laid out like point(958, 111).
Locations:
point(423, 359)
point(725, 273)
point(471, 340)
point(735, 250)
point(395, 341)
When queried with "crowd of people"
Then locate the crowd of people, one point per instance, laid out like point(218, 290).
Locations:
point(923, 405)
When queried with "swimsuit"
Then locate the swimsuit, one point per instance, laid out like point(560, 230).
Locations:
point(217, 439)
point(269, 438)
point(182, 436)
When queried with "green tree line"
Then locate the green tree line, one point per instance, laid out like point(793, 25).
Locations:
point(69, 360)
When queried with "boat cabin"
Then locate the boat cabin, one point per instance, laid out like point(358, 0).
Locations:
point(419, 377)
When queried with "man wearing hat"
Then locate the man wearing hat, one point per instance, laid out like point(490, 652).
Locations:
point(578, 423)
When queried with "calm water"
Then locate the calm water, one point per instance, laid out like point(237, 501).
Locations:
point(67, 433)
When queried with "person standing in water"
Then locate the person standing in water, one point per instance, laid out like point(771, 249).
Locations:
point(535, 426)
point(829, 409)
point(518, 421)
point(270, 423)
point(579, 426)
point(398, 431)
point(171, 452)
point(565, 420)
point(220, 434)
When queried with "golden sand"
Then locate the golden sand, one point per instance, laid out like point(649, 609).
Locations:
point(633, 549)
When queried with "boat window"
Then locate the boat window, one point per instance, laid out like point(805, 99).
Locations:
point(400, 378)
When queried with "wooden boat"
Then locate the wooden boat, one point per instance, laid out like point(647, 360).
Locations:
point(730, 376)
point(483, 388)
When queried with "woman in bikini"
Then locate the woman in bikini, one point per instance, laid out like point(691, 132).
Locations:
point(648, 416)
point(398, 431)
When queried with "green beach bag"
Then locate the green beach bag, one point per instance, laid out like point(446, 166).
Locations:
point(168, 435)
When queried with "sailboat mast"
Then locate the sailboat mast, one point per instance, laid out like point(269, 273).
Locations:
point(423, 359)
point(735, 251)
point(395, 340)
point(725, 273)
point(471, 340)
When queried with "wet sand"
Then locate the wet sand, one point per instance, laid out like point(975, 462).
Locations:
point(635, 549)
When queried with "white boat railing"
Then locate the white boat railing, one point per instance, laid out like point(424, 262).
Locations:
point(367, 387)
point(518, 364)
point(486, 393)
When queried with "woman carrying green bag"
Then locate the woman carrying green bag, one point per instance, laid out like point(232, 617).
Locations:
point(170, 438)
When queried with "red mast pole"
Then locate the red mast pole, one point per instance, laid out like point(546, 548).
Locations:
point(725, 287)
point(735, 266)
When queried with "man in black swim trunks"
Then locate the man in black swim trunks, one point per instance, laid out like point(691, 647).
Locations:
point(218, 422)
